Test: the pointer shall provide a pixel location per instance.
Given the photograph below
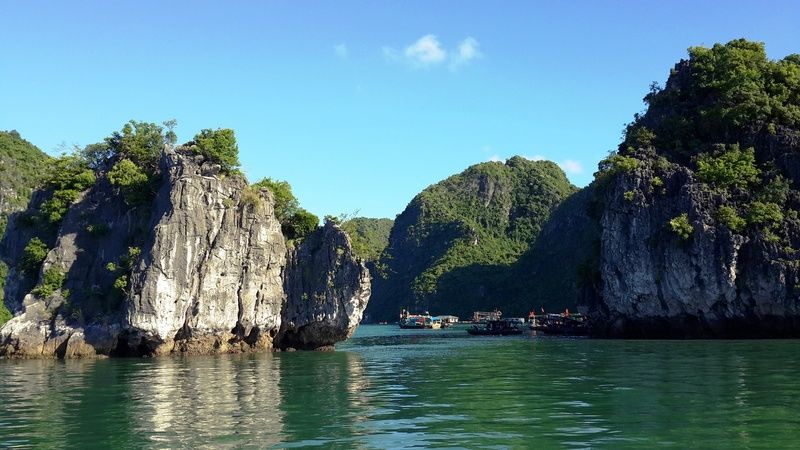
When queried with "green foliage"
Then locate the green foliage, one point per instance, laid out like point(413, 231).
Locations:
point(121, 283)
point(729, 168)
point(123, 269)
point(170, 137)
point(369, 237)
point(300, 224)
point(139, 142)
point(640, 137)
point(20, 172)
point(132, 182)
point(219, 146)
point(52, 281)
point(5, 314)
point(776, 191)
point(286, 204)
point(728, 216)
point(67, 176)
point(466, 231)
point(717, 96)
point(250, 198)
point(296, 222)
point(656, 182)
point(681, 226)
point(766, 214)
point(129, 260)
point(629, 195)
point(616, 163)
point(34, 255)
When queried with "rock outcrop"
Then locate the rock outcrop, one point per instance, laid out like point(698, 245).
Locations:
point(209, 272)
point(699, 229)
point(328, 290)
point(716, 283)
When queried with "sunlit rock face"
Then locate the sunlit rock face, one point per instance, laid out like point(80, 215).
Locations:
point(328, 290)
point(213, 276)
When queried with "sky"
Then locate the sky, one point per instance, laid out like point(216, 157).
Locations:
point(361, 105)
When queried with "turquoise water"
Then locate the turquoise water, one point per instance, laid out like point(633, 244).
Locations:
point(392, 388)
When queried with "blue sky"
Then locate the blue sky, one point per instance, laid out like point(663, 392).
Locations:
point(360, 105)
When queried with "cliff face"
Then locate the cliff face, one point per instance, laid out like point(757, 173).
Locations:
point(328, 290)
point(699, 229)
point(209, 275)
point(714, 283)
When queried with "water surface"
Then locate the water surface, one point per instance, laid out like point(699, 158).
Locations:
point(392, 388)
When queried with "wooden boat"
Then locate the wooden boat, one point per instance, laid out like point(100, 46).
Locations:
point(494, 328)
point(564, 324)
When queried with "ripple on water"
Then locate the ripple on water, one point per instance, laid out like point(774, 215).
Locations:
point(391, 388)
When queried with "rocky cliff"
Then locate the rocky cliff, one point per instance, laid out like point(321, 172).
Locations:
point(328, 290)
point(698, 210)
point(204, 268)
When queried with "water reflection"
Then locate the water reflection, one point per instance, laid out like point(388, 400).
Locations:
point(391, 389)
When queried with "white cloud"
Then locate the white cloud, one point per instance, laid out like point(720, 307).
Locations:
point(571, 166)
point(341, 51)
point(427, 51)
point(467, 51)
point(536, 158)
point(496, 158)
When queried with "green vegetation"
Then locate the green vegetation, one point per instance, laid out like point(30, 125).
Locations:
point(67, 176)
point(286, 203)
point(452, 247)
point(300, 224)
point(369, 237)
point(629, 195)
point(132, 181)
point(728, 216)
point(219, 146)
point(20, 173)
point(123, 270)
point(766, 214)
point(729, 167)
point(34, 255)
point(139, 142)
point(681, 226)
point(5, 314)
point(721, 92)
point(616, 163)
point(52, 281)
point(296, 222)
point(731, 115)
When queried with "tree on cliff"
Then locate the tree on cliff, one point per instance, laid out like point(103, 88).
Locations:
point(296, 222)
point(219, 146)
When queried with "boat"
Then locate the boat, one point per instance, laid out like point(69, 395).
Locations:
point(501, 327)
point(419, 321)
point(564, 324)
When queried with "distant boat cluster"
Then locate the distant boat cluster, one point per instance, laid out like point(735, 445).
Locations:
point(491, 323)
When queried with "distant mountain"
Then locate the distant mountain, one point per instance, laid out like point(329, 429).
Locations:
point(369, 237)
point(455, 247)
